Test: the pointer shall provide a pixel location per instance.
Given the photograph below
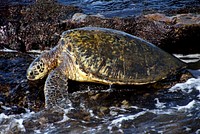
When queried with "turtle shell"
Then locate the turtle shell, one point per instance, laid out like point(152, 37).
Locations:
point(119, 58)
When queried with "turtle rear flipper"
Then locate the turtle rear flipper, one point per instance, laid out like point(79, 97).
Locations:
point(56, 89)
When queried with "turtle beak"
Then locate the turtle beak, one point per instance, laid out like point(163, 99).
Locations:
point(30, 78)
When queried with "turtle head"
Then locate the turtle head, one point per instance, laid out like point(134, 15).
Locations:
point(39, 68)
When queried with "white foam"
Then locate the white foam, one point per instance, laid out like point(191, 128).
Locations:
point(3, 116)
point(190, 105)
point(161, 111)
point(187, 129)
point(188, 58)
point(15, 121)
point(19, 123)
point(37, 51)
point(159, 104)
point(188, 86)
point(135, 107)
point(66, 111)
point(7, 50)
point(198, 131)
point(120, 118)
point(160, 132)
point(3, 35)
point(37, 131)
point(124, 118)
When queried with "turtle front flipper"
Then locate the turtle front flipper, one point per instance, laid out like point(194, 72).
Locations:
point(56, 89)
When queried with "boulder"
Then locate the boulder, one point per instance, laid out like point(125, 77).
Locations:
point(39, 26)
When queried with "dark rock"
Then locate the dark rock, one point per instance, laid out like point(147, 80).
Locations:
point(39, 26)
point(3, 3)
point(193, 7)
point(15, 110)
point(15, 90)
point(179, 34)
point(33, 26)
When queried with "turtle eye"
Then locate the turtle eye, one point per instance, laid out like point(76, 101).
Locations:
point(31, 73)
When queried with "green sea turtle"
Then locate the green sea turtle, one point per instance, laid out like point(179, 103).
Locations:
point(101, 55)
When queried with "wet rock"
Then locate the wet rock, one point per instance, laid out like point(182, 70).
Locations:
point(34, 26)
point(16, 92)
point(3, 3)
point(193, 8)
point(14, 110)
point(81, 20)
point(177, 34)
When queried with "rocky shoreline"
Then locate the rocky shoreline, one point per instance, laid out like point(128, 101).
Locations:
point(33, 27)
point(29, 27)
